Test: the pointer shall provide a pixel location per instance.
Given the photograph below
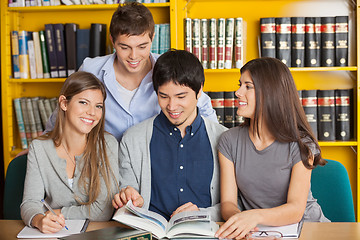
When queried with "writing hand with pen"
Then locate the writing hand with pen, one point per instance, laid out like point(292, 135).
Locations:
point(51, 222)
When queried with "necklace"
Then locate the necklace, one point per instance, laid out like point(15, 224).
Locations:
point(67, 152)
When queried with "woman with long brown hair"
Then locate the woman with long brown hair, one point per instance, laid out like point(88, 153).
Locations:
point(75, 166)
point(266, 163)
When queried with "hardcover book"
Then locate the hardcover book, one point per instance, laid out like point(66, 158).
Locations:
point(20, 123)
point(212, 43)
point(221, 43)
point(312, 41)
point(217, 102)
point(97, 40)
point(283, 40)
point(326, 115)
point(188, 34)
point(111, 233)
point(229, 109)
point(25, 115)
point(343, 114)
point(155, 42)
point(23, 55)
point(164, 41)
point(31, 118)
point(15, 54)
point(309, 103)
point(51, 51)
point(82, 46)
point(238, 43)
point(268, 37)
point(44, 55)
point(43, 114)
point(341, 40)
point(182, 225)
point(38, 58)
point(229, 42)
point(35, 106)
point(60, 49)
point(298, 42)
point(70, 43)
point(204, 43)
point(327, 41)
point(196, 38)
point(31, 52)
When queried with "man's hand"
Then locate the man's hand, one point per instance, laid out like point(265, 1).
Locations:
point(120, 199)
point(187, 207)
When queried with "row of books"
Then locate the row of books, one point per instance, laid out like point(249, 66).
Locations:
point(306, 41)
point(329, 113)
point(218, 43)
point(31, 116)
point(161, 41)
point(225, 106)
point(30, 3)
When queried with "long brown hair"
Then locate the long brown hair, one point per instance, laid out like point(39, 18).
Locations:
point(277, 102)
point(95, 159)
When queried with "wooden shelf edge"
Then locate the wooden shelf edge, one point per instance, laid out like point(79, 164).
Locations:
point(292, 69)
point(94, 7)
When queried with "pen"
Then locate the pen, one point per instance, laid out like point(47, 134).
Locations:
point(50, 209)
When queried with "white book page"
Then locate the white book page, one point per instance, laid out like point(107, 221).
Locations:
point(192, 216)
point(193, 230)
point(288, 231)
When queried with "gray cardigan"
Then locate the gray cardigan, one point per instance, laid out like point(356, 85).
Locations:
point(46, 178)
point(135, 165)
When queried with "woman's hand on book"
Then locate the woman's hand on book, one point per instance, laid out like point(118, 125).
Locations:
point(187, 207)
point(125, 194)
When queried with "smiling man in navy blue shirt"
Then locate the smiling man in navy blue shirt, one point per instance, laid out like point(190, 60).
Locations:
point(168, 163)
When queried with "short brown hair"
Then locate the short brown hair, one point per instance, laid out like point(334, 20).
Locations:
point(131, 19)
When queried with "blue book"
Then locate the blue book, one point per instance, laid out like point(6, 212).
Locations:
point(155, 42)
point(60, 49)
point(23, 55)
point(164, 38)
point(20, 122)
point(82, 46)
point(15, 54)
point(51, 51)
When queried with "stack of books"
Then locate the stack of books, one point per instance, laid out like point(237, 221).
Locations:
point(161, 41)
point(218, 43)
point(31, 3)
point(306, 41)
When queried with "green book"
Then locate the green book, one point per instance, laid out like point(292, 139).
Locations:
point(45, 60)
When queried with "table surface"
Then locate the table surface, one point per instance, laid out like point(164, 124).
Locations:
point(10, 228)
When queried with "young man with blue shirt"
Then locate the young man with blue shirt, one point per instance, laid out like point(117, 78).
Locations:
point(127, 73)
point(168, 163)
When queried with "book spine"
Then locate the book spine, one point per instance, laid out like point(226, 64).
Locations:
point(162, 40)
point(47, 106)
point(82, 46)
point(283, 40)
point(26, 120)
point(297, 41)
point(60, 49)
point(43, 114)
point(31, 118)
point(341, 40)
point(327, 41)
point(238, 44)
point(23, 55)
point(44, 55)
point(32, 63)
point(312, 41)
point(70, 43)
point(35, 106)
point(15, 54)
point(212, 44)
point(38, 59)
point(53, 103)
point(204, 43)
point(196, 38)
point(217, 102)
point(188, 33)
point(309, 103)
point(229, 42)
point(97, 39)
point(221, 43)
point(20, 122)
point(343, 113)
point(229, 109)
point(268, 37)
point(326, 115)
point(50, 44)
point(155, 41)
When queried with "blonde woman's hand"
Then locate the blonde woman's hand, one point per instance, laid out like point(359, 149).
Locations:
point(49, 223)
point(120, 199)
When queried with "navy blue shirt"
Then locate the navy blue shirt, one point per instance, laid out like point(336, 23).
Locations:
point(181, 168)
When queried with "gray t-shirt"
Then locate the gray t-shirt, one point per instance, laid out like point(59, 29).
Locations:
point(263, 177)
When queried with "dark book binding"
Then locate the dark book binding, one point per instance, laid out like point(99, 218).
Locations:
point(344, 114)
point(298, 42)
point(327, 41)
point(97, 40)
point(326, 115)
point(312, 41)
point(70, 43)
point(309, 103)
point(44, 54)
point(50, 46)
point(341, 40)
point(229, 109)
point(60, 49)
point(283, 40)
point(82, 46)
point(268, 37)
point(217, 102)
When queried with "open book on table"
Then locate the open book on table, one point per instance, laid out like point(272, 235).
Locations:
point(196, 224)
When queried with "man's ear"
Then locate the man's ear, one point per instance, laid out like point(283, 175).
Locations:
point(199, 93)
point(112, 40)
point(63, 103)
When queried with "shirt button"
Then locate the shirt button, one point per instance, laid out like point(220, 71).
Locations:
point(175, 129)
point(171, 134)
point(181, 145)
point(181, 190)
point(192, 134)
point(181, 167)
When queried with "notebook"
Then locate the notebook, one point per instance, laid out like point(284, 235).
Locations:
point(74, 226)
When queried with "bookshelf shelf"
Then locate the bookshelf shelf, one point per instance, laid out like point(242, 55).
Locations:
point(338, 144)
point(37, 80)
point(324, 69)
